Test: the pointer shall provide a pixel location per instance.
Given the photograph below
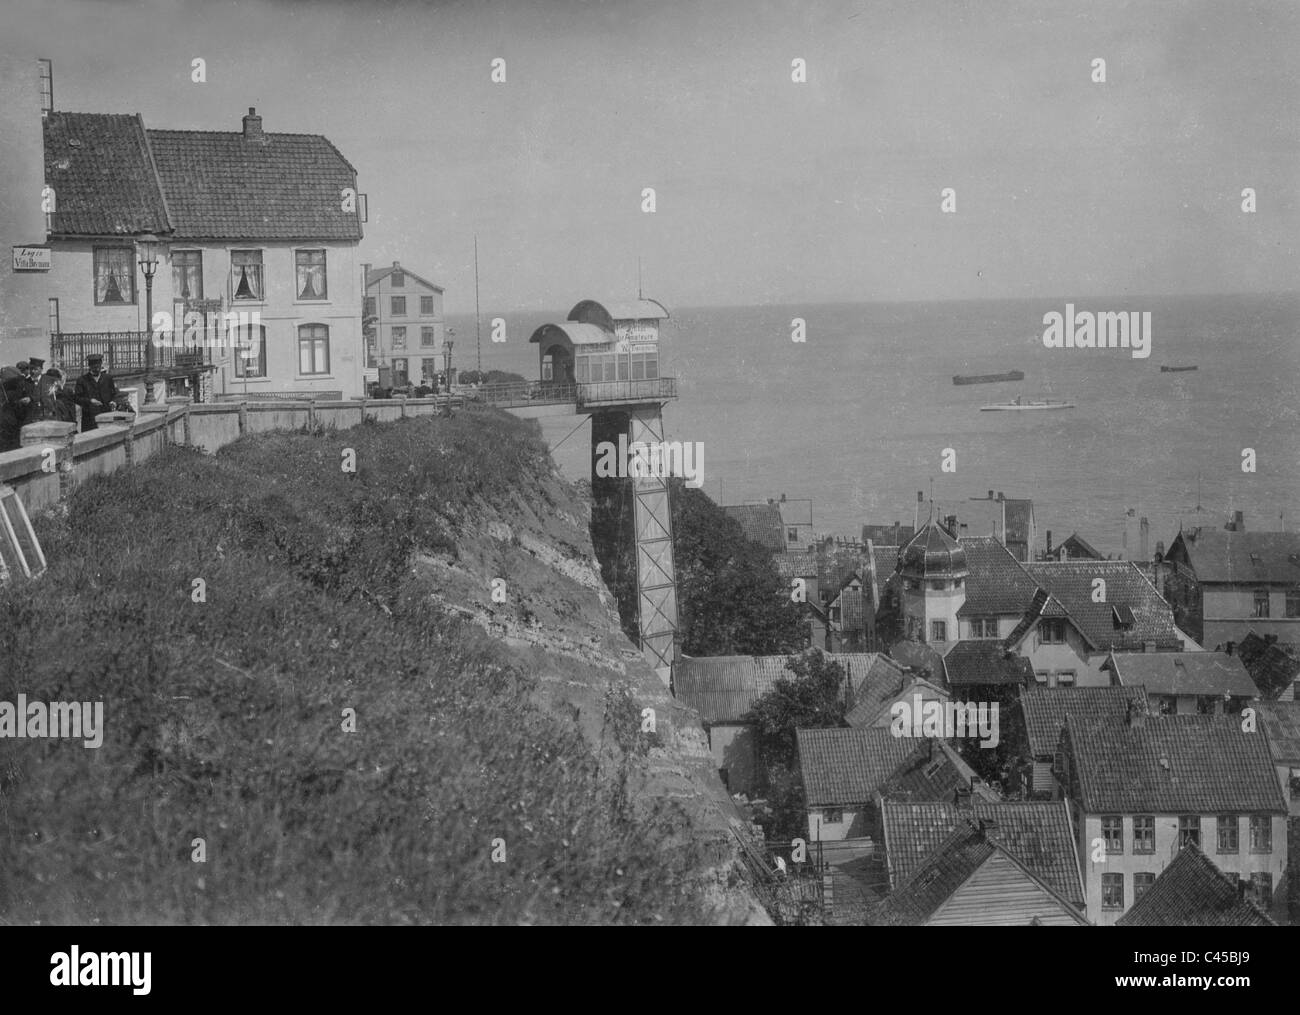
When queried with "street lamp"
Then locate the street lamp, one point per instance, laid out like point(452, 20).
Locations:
point(147, 252)
point(446, 370)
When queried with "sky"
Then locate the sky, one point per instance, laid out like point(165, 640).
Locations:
point(767, 191)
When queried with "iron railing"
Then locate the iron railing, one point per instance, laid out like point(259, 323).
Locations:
point(124, 351)
point(586, 393)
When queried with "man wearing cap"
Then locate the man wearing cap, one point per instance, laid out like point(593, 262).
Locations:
point(14, 404)
point(35, 366)
point(97, 393)
point(56, 400)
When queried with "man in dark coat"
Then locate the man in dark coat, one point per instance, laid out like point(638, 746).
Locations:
point(97, 393)
point(13, 410)
point(56, 400)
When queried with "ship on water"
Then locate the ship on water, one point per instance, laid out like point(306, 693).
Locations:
point(1020, 404)
point(1010, 375)
point(1175, 370)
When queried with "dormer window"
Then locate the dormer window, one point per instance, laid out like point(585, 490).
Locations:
point(1123, 617)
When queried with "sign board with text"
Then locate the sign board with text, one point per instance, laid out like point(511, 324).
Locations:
point(32, 259)
point(636, 331)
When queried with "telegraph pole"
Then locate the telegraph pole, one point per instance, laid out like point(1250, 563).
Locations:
point(478, 328)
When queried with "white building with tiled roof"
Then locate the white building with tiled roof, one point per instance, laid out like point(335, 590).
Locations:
point(406, 325)
point(259, 226)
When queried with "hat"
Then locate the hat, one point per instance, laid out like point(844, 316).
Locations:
point(92, 360)
point(34, 363)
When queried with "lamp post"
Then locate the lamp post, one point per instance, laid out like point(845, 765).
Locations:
point(147, 252)
point(446, 370)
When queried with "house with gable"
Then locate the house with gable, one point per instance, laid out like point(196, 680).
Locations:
point(406, 330)
point(1185, 682)
point(971, 879)
point(1042, 713)
point(1229, 582)
point(257, 272)
point(1143, 789)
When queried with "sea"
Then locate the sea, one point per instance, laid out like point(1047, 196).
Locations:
point(859, 417)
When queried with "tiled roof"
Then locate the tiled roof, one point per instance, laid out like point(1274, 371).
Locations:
point(1075, 547)
point(884, 561)
point(923, 658)
point(1199, 673)
point(1037, 833)
point(847, 766)
point(932, 552)
point(221, 185)
point(934, 772)
point(761, 523)
point(1070, 582)
point(1220, 555)
point(1270, 666)
point(998, 583)
point(796, 564)
point(1045, 710)
point(377, 275)
point(723, 688)
point(104, 183)
point(1281, 722)
point(852, 614)
point(1170, 764)
point(985, 662)
point(1193, 892)
point(836, 564)
point(885, 684)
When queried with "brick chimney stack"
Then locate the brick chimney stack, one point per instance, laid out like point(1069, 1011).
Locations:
point(253, 126)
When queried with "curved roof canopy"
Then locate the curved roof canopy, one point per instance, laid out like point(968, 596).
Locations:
point(933, 553)
point(578, 334)
point(591, 312)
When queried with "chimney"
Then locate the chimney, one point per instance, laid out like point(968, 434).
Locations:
point(782, 498)
point(961, 798)
point(1148, 646)
point(1227, 649)
point(1144, 530)
point(253, 126)
point(1137, 716)
point(990, 495)
point(1049, 542)
point(1000, 497)
point(1238, 522)
point(397, 265)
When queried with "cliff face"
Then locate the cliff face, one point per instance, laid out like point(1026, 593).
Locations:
point(556, 619)
point(493, 763)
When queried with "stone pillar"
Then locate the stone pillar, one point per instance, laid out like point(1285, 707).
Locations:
point(56, 435)
point(243, 418)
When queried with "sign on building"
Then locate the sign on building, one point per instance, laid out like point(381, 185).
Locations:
point(32, 259)
point(639, 332)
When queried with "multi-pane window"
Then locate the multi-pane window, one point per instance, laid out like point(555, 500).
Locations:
point(397, 305)
point(938, 630)
point(310, 267)
point(313, 349)
point(187, 274)
point(1227, 827)
point(938, 584)
point(372, 360)
point(399, 338)
point(1261, 833)
point(1293, 603)
point(1051, 632)
point(1065, 678)
point(1189, 830)
point(114, 275)
point(368, 308)
point(645, 366)
point(429, 368)
point(1261, 888)
point(400, 375)
point(832, 816)
point(397, 279)
point(1042, 676)
point(246, 274)
point(250, 351)
point(1141, 882)
point(428, 336)
point(1144, 833)
point(984, 627)
point(1261, 602)
point(1112, 891)
point(1112, 830)
point(426, 306)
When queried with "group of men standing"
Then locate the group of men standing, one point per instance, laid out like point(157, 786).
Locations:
point(28, 397)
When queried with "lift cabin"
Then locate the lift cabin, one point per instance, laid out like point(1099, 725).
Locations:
point(605, 360)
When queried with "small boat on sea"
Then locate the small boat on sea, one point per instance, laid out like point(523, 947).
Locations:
point(1010, 375)
point(1175, 370)
point(1025, 404)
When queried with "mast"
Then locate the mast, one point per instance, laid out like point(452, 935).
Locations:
point(478, 324)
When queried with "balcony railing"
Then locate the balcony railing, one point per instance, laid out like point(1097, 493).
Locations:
point(124, 351)
point(592, 393)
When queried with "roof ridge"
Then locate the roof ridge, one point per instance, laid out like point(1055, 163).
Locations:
point(157, 179)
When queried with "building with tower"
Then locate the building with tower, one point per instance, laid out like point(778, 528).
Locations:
point(933, 571)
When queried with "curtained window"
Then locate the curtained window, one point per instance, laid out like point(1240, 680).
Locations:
point(187, 274)
point(428, 336)
point(311, 274)
point(246, 274)
point(114, 275)
point(250, 351)
point(399, 338)
point(313, 349)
